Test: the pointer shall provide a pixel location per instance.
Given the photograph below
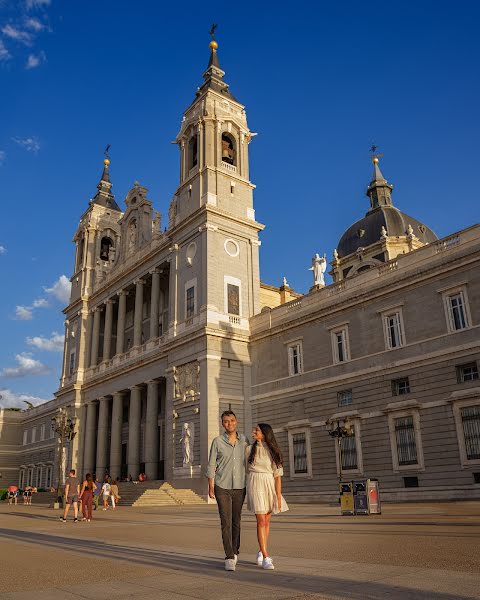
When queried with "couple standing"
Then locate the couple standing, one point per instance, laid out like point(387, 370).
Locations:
point(236, 469)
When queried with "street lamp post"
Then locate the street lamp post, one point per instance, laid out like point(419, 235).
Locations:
point(339, 429)
point(64, 427)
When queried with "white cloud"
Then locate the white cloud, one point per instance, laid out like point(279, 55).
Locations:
point(35, 60)
point(3, 156)
point(23, 313)
point(2, 249)
point(31, 144)
point(9, 399)
point(26, 366)
point(37, 3)
point(17, 34)
point(52, 344)
point(60, 289)
point(34, 24)
point(41, 303)
point(4, 53)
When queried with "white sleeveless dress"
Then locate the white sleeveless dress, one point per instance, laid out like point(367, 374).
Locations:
point(261, 495)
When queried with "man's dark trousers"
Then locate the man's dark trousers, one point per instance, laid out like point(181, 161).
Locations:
point(230, 503)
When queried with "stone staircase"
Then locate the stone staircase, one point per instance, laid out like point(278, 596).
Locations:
point(156, 493)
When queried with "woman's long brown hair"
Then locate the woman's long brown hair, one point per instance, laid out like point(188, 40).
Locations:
point(270, 442)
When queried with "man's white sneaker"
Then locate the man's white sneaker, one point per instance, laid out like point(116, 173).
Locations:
point(259, 559)
point(235, 559)
point(267, 563)
point(229, 564)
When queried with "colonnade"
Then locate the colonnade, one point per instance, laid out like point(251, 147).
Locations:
point(157, 305)
point(101, 455)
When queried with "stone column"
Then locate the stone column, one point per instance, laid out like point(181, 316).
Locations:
point(137, 324)
point(122, 307)
point(151, 431)
point(95, 336)
point(90, 437)
point(154, 303)
point(107, 334)
point(116, 436)
point(134, 417)
point(102, 438)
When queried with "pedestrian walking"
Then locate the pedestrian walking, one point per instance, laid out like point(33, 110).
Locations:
point(264, 486)
point(71, 496)
point(96, 492)
point(114, 494)
point(226, 484)
point(86, 496)
point(106, 491)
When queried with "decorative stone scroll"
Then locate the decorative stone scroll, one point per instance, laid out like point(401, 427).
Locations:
point(186, 381)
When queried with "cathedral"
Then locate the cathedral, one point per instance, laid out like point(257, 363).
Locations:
point(169, 324)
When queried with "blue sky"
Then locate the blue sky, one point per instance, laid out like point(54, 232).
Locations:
point(321, 81)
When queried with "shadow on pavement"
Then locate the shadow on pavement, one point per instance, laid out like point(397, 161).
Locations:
point(210, 566)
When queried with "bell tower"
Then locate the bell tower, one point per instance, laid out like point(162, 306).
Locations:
point(213, 142)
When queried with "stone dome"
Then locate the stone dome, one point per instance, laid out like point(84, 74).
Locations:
point(382, 214)
point(367, 231)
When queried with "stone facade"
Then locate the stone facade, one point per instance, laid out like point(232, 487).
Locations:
point(169, 325)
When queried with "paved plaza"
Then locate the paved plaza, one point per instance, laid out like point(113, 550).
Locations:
point(420, 551)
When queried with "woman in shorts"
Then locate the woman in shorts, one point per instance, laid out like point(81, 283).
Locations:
point(106, 491)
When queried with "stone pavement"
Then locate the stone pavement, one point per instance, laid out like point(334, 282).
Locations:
point(423, 551)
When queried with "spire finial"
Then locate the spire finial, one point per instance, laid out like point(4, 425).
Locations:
point(213, 43)
point(375, 155)
point(106, 154)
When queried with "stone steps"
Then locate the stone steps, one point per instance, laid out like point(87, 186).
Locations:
point(156, 493)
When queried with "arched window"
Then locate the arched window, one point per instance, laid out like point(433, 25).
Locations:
point(192, 152)
point(105, 246)
point(228, 149)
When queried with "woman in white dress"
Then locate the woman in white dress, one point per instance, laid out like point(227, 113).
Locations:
point(264, 486)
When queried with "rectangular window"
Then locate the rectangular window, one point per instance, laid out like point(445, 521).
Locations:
point(299, 453)
point(190, 302)
point(400, 386)
point(467, 372)
point(349, 453)
point(344, 397)
point(52, 433)
point(233, 296)
point(341, 350)
point(295, 359)
point(25, 437)
point(34, 435)
point(394, 330)
point(71, 365)
point(405, 440)
point(471, 431)
point(456, 312)
point(42, 432)
point(48, 478)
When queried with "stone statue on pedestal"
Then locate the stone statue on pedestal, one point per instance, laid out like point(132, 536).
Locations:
point(319, 266)
point(187, 444)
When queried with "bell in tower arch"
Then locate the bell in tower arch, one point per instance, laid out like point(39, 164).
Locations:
point(228, 149)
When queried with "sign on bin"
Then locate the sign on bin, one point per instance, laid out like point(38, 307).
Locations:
point(346, 498)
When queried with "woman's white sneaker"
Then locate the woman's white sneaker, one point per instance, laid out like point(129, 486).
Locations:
point(259, 559)
point(267, 563)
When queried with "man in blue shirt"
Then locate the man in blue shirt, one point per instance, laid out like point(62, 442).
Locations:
point(226, 483)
